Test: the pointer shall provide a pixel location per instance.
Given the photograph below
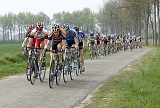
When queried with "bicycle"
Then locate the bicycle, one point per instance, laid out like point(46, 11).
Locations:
point(55, 68)
point(92, 52)
point(79, 65)
point(30, 57)
point(104, 49)
point(68, 64)
point(131, 46)
point(37, 67)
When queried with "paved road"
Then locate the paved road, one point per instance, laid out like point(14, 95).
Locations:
point(17, 92)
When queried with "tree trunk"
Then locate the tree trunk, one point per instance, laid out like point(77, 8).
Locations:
point(155, 24)
point(147, 24)
point(158, 23)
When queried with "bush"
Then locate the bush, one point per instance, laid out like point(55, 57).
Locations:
point(3, 61)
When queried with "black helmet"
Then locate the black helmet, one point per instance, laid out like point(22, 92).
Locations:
point(91, 34)
point(76, 28)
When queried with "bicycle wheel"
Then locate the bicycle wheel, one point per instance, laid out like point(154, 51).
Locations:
point(104, 50)
point(131, 47)
point(96, 54)
point(28, 68)
point(72, 70)
point(42, 68)
point(65, 70)
point(51, 74)
point(93, 54)
point(33, 73)
point(58, 76)
point(78, 67)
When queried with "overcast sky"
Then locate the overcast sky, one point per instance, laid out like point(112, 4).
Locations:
point(48, 6)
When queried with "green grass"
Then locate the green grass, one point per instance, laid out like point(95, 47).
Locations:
point(137, 86)
point(13, 62)
point(9, 49)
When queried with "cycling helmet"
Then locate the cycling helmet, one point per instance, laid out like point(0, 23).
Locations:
point(76, 28)
point(66, 27)
point(55, 28)
point(30, 27)
point(91, 34)
point(39, 26)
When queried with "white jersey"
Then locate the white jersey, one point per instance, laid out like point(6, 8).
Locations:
point(43, 34)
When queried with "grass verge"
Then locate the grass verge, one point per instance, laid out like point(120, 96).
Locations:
point(137, 86)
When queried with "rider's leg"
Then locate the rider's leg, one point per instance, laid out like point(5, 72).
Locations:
point(59, 46)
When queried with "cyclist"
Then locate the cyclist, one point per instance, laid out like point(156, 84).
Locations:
point(91, 42)
point(41, 35)
point(30, 28)
point(124, 41)
point(114, 41)
point(119, 39)
point(57, 36)
point(104, 41)
point(98, 37)
point(81, 38)
point(71, 41)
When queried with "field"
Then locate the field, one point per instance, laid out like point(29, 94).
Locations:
point(11, 60)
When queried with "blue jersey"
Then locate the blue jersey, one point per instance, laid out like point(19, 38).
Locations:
point(81, 36)
point(71, 35)
point(114, 38)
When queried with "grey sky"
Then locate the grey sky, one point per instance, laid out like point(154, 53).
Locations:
point(48, 6)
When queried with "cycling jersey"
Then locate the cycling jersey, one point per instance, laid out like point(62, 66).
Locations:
point(81, 36)
point(39, 37)
point(42, 35)
point(103, 38)
point(57, 38)
point(71, 35)
point(98, 38)
point(28, 36)
point(91, 39)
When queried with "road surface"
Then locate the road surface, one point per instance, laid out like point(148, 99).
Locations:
point(17, 92)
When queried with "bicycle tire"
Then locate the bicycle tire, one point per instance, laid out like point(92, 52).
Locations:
point(58, 71)
point(65, 72)
point(72, 72)
point(58, 76)
point(78, 67)
point(131, 47)
point(28, 68)
point(43, 71)
point(51, 74)
point(32, 72)
point(104, 50)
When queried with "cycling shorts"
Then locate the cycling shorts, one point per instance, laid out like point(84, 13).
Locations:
point(92, 43)
point(80, 45)
point(69, 43)
point(33, 43)
point(38, 42)
point(54, 45)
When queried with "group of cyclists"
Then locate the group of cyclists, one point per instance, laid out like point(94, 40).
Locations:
point(58, 38)
point(118, 43)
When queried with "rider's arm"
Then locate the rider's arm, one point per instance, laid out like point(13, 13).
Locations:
point(24, 42)
point(76, 39)
point(26, 39)
point(30, 42)
point(47, 44)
